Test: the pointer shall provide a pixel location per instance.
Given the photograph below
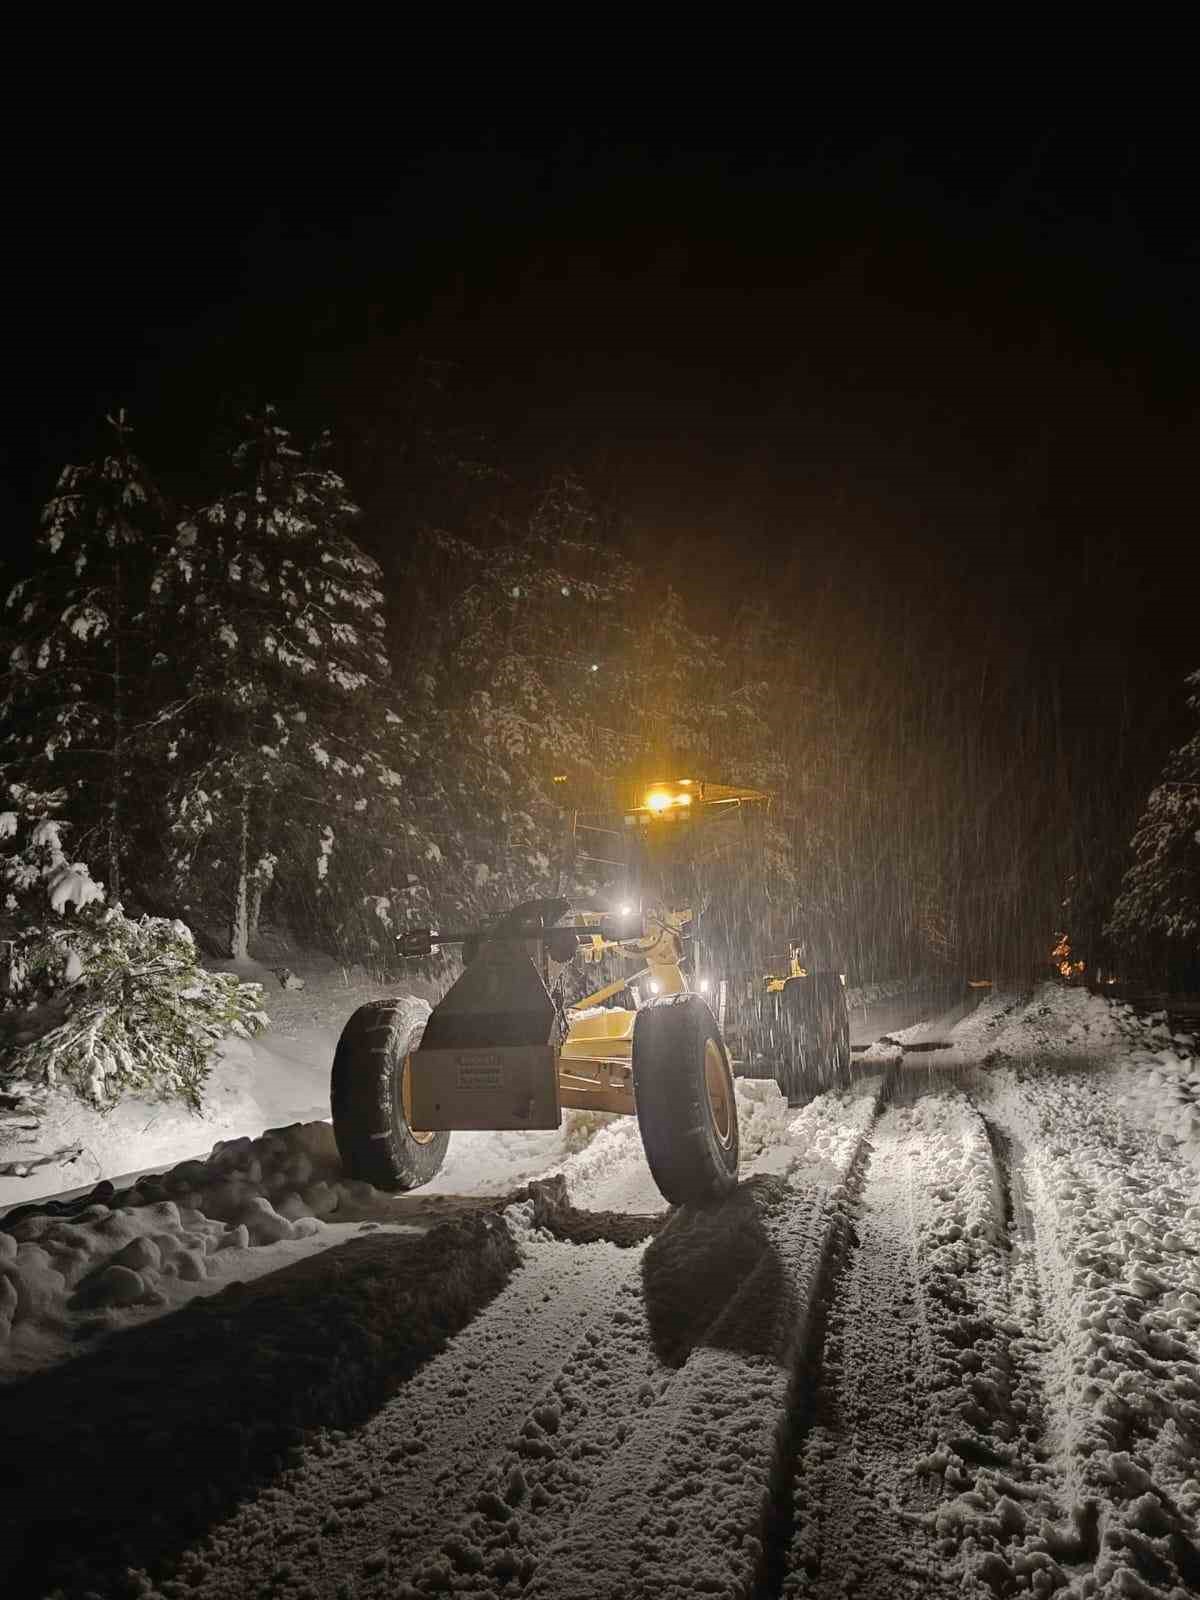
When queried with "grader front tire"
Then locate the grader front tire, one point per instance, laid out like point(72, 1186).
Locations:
point(686, 1109)
point(370, 1100)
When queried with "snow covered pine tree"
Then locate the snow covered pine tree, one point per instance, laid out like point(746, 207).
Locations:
point(75, 683)
point(1160, 894)
point(523, 635)
point(276, 668)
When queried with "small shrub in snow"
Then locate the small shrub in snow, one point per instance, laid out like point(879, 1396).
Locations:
point(131, 1009)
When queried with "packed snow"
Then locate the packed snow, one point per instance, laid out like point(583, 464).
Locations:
point(944, 1339)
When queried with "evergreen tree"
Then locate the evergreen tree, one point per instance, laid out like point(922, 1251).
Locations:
point(523, 677)
point(75, 685)
point(274, 676)
point(531, 632)
point(1160, 894)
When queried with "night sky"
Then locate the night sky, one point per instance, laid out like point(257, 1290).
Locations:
point(937, 364)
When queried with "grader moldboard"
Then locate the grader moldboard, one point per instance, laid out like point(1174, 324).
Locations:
point(504, 1049)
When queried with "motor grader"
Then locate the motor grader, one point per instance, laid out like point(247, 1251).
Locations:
point(507, 1047)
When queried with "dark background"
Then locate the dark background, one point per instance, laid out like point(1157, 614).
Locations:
point(921, 365)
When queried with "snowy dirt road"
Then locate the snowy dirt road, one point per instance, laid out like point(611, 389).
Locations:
point(943, 1340)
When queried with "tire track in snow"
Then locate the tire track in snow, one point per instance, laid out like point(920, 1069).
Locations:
point(646, 1464)
point(1116, 1246)
point(999, 1497)
point(686, 1507)
point(922, 1466)
point(578, 1438)
point(855, 1429)
point(354, 1508)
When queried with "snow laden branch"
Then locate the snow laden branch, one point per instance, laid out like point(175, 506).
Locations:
point(93, 1001)
point(138, 1014)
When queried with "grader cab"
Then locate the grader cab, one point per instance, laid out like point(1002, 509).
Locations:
point(514, 1042)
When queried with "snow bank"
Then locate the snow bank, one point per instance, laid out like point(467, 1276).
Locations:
point(1155, 1072)
point(279, 1077)
point(596, 1151)
point(1053, 1023)
point(138, 1252)
point(1159, 1088)
point(815, 1144)
point(253, 1085)
point(588, 1146)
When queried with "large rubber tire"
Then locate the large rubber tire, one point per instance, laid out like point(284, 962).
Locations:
point(815, 1037)
point(373, 1137)
point(686, 1109)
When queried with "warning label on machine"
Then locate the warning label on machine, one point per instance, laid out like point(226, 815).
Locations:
point(497, 1086)
point(480, 1072)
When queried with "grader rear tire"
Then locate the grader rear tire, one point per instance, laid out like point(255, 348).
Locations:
point(369, 1094)
point(815, 1026)
point(686, 1109)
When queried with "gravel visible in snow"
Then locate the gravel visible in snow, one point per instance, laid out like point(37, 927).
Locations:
point(1155, 1070)
point(1054, 1023)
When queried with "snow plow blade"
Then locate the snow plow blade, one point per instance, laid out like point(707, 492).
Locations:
point(504, 1087)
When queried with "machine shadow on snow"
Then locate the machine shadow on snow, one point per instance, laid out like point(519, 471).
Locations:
point(125, 1455)
point(713, 1278)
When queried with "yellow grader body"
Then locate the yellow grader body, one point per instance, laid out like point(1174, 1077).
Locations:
point(590, 1068)
point(504, 1049)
